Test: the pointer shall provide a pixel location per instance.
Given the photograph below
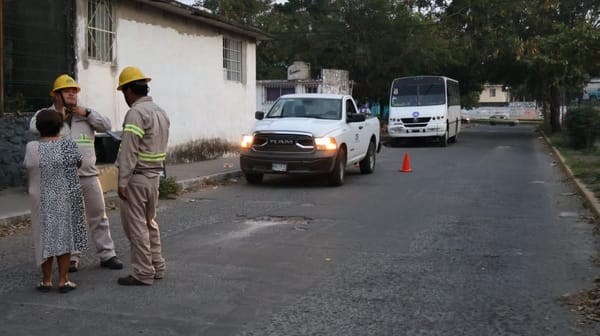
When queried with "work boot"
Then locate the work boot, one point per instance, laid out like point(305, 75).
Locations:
point(112, 263)
point(131, 281)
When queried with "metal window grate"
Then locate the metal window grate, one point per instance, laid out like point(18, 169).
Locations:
point(101, 34)
point(311, 88)
point(232, 60)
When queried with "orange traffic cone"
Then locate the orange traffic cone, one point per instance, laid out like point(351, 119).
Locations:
point(406, 164)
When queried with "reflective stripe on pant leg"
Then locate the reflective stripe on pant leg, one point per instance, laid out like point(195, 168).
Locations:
point(97, 221)
point(133, 215)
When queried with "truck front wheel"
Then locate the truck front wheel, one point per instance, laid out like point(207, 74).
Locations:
point(337, 176)
point(254, 178)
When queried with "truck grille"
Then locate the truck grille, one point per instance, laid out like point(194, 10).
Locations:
point(283, 142)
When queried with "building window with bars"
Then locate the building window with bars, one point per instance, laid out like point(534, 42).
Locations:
point(311, 88)
point(272, 93)
point(101, 30)
point(232, 59)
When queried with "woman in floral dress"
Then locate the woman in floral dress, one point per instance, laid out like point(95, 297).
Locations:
point(57, 218)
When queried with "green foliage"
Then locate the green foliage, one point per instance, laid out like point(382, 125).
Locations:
point(246, 12)
point(544, 50)
point(583, 162)
point(582, 126)
point(168, 187)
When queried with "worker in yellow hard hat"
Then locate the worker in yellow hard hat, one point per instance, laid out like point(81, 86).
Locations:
point(64, 93)
point(81, 124)
point(140, 161)
point(63, 82)
point(131, 74)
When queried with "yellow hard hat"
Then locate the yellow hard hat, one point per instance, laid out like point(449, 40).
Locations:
point(131, 74)
point(62, 82)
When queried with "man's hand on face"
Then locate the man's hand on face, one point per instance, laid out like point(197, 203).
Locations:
point(80, 110)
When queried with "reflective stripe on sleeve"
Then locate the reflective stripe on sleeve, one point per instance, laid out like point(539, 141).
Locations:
point(134, 129)
point(152, 157)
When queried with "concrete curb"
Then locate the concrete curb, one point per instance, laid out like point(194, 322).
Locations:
point(14, 218)
point(9, 219)
point(589, 197)
point(197, 181)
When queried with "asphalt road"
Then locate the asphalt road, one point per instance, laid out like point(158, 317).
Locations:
point(484, 237)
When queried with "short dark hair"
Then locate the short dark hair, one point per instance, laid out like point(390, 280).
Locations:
point(48, 122)
point(139, 87)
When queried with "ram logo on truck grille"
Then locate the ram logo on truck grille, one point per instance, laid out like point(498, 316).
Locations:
point(281, 142)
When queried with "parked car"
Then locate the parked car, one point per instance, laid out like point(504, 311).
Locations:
point(502, 119)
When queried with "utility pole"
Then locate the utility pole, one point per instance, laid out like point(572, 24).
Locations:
point(1, 61)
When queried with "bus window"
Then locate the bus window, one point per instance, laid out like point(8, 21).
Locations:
point(418, 91)
point(432, 94)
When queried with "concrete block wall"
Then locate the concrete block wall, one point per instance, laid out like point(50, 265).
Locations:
point(14, 135)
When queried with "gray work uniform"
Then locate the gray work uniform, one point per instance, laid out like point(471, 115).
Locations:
point(83, 130)
point(140, 161)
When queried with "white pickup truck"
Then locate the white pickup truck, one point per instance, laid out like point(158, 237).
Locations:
point(310, 134)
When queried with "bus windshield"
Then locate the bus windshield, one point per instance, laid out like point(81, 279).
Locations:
point(418, 91)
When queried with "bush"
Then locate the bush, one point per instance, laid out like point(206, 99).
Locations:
point(582, 126)
point(168, 187)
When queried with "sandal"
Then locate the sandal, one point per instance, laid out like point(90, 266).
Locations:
point(43, 288)
point(73, 266)
point(67, 287)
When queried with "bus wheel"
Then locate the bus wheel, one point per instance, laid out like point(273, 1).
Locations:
point(455, 138)
point(444, 139)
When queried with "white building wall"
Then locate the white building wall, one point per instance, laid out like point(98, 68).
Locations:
point(185, 62)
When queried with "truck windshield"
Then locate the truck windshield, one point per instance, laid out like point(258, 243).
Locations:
point(320, 108)
point(418, 91)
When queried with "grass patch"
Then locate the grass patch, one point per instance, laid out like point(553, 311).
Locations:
point(584, 163)
point(168, 187)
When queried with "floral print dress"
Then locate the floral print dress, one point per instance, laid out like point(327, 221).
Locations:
point(58, 224)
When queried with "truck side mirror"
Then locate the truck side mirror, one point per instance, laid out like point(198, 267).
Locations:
point(259, 115)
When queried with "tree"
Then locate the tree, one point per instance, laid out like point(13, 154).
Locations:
point(561, 51)
point(547, 48)
point(242, 11)
point(376, 40)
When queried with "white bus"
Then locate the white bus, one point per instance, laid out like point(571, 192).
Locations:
point(425, 106)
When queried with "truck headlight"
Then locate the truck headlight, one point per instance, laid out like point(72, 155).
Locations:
point(325, 143)
point(247, 141)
